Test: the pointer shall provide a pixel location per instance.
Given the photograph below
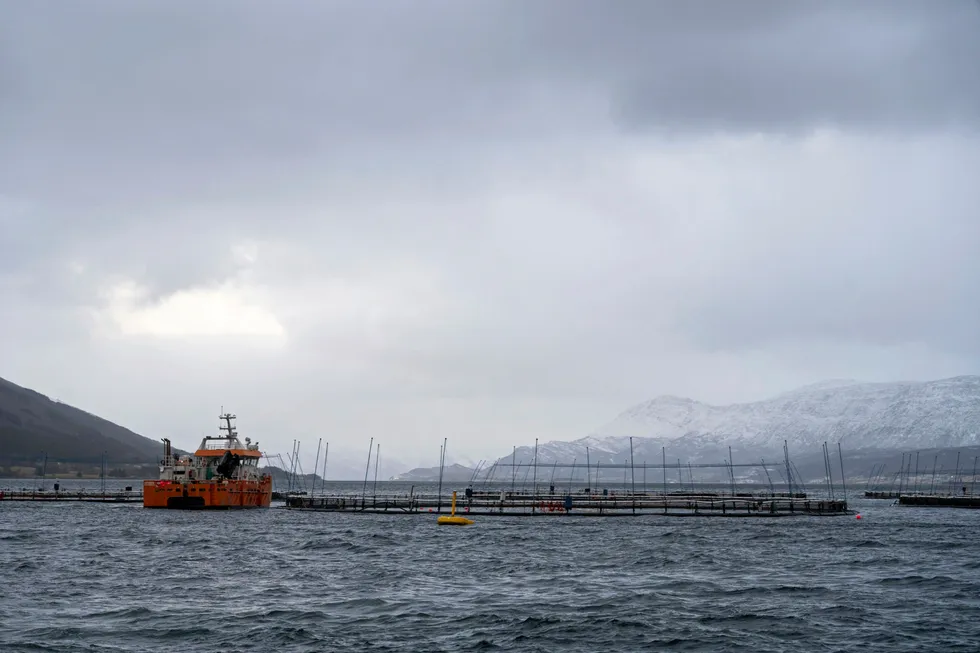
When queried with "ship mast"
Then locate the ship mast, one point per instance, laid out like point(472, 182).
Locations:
point(228, 427)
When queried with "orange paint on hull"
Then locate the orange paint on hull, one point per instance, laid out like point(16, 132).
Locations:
point(208, 495)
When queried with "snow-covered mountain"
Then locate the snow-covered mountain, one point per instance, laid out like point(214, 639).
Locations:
point(885, 416)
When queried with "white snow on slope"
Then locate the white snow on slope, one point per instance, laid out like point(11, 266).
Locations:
point(902, 415)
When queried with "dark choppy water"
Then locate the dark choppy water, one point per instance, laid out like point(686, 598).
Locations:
point(83, 577)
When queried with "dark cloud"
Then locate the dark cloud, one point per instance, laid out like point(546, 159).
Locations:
point(234, 81)
point(879, 66)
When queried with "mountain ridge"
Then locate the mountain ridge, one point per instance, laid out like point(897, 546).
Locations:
point(32, 423)
point(862, 416)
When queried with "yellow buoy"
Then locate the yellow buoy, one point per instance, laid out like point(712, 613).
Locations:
point(451, 519)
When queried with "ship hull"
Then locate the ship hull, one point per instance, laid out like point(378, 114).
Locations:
point(207, 495)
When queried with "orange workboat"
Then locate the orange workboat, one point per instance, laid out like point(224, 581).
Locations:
point(222, 474)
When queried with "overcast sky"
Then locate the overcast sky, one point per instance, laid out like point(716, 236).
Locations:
point(487, 221)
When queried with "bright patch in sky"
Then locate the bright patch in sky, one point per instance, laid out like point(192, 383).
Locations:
point(223, 310)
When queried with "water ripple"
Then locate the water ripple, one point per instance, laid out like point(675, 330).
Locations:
point(111, 579)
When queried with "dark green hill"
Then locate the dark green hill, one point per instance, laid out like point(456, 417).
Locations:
point(31, 423)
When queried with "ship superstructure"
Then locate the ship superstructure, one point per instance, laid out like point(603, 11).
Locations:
point(223, 473)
